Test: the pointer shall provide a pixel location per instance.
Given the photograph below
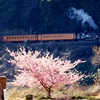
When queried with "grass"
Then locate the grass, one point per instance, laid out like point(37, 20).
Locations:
point(15, 93)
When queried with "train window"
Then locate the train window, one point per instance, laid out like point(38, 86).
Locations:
point(53, 36)
point(30, 36)
point(43, 36)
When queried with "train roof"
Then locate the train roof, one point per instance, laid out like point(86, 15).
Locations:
point(32, 34)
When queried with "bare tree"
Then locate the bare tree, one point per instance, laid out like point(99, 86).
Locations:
point(96, 58)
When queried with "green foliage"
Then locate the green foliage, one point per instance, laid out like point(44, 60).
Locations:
point(83, 97)
point(45, 98)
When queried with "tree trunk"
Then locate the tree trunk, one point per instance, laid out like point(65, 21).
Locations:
point(48, 89)
point(49, 93)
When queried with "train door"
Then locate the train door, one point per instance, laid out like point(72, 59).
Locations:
point(36, 37)
point(39, 37)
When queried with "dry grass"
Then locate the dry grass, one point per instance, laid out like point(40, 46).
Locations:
point(14, 93)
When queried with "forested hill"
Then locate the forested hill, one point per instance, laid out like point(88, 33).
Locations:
point(48, 16)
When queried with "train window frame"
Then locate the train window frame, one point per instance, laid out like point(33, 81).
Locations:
point(43, 36)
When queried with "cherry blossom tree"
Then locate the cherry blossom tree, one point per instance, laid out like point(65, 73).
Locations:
point(43, 70)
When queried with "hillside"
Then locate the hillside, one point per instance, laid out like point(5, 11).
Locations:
point(48, 16)
point(73, 50)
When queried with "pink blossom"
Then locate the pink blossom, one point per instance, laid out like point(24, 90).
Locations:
point(44, 71)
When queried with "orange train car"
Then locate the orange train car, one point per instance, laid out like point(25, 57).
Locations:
point(39, 37)
point(18, 38)
point(56, 37)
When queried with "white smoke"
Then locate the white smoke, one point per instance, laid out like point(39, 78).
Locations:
point(80, 15)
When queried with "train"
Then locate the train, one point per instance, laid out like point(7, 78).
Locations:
point(51, 37)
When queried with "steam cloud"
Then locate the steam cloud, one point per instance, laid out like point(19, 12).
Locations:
point(80, 15)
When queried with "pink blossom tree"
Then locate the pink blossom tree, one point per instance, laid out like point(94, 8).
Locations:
point(45, 71)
